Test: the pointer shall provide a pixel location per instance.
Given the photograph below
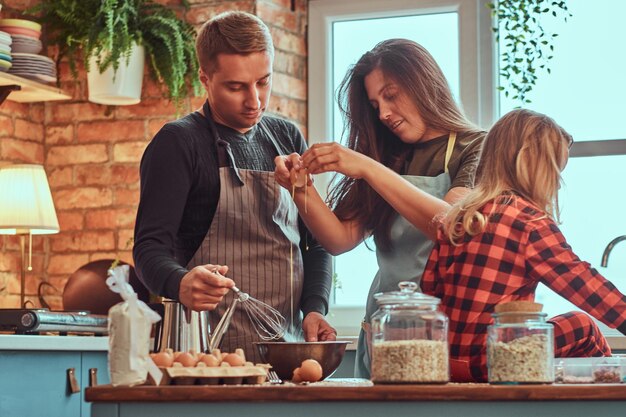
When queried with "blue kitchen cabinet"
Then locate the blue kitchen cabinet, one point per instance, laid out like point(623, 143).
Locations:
point(89, 361)
point(36, 383)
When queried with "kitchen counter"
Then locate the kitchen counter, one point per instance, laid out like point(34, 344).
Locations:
point(54, 343)
point(336, 399)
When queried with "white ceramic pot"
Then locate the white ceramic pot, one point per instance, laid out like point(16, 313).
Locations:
point(122, 89)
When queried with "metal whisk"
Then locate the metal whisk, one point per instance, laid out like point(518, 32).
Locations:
point(266, 320)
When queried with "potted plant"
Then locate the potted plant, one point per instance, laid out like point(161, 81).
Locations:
point(104, 35)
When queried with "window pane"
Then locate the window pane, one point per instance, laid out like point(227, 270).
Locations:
point(584, 93)
point(436, 32)
point(593, 204)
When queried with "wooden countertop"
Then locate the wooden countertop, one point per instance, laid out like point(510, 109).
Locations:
point(338, 392)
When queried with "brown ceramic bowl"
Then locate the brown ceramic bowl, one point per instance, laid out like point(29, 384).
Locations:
point(287, 356)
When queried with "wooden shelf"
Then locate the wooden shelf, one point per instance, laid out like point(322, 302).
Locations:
point(31, 91)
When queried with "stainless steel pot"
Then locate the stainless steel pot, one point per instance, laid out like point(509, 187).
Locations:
point(182, 329)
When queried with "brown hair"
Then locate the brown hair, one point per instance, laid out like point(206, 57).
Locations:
point(521, 155)
point(416, 72)
point(231, 32)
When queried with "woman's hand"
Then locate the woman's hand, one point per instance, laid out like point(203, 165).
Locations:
point(331, 156)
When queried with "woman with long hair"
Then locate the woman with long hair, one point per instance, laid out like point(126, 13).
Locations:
point(410, 153)
point(499, 242)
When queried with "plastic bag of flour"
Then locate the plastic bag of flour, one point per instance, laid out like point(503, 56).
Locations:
point(130, 323)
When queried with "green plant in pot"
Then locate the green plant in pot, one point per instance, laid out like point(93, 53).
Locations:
point(104, 35)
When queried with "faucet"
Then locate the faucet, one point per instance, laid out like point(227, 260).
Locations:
point(609, 248)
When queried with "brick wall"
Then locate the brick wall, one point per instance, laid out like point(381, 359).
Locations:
point(91, 152)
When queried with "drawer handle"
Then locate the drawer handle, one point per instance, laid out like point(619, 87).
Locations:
point(72, 382)
point(93, 377)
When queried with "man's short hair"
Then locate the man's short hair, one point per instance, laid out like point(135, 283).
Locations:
point(231, 32)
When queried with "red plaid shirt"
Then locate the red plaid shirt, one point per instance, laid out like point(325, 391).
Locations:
point(517, 250)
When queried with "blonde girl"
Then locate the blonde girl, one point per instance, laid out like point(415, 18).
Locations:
point(499, 242)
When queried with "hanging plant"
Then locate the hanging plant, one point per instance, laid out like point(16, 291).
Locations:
point(525, 47)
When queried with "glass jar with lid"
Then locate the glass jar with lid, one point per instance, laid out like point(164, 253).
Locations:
point(520, 345)
point(409, 338)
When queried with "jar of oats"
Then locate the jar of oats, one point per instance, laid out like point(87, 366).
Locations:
point(409, 338)
point(520, 345)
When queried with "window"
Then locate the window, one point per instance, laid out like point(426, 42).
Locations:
point(344, 31)
point(584, 94)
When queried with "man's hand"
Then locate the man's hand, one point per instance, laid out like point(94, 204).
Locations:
point(316, 328)
point(204, 286)
point(285, 165)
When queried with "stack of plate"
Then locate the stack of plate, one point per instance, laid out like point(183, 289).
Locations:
point(5, 52)
point(35, 67)
point(21, 27)
point(26, 44)
point(24, 49)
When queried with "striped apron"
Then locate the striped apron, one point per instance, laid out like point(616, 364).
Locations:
point(254, 232)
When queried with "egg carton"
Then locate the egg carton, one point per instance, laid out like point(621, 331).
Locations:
point(217, 375)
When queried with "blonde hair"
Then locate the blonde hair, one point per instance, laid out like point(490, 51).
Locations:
point(231, 32)
point(522, 154)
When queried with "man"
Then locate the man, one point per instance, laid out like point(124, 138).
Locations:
point(210, 206)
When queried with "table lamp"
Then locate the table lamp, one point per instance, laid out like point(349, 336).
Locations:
point(26, 208)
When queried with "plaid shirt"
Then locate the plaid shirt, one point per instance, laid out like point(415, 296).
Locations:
point(518, 249)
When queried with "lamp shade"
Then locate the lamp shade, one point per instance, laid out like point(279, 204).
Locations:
point(25, 201)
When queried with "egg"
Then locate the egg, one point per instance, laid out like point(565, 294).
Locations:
point(210, 360)
point(234, 360)
point(298, 178)
point(162, 359)
point(296, 375)
point(310, 370)
point(186, 359)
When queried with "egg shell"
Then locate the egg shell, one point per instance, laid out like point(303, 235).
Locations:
point(310, 370)
point(234, 360)
point(209, 360)
point(162, 359)
point(298, 177)
point(186, 359)
point(296, 375)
